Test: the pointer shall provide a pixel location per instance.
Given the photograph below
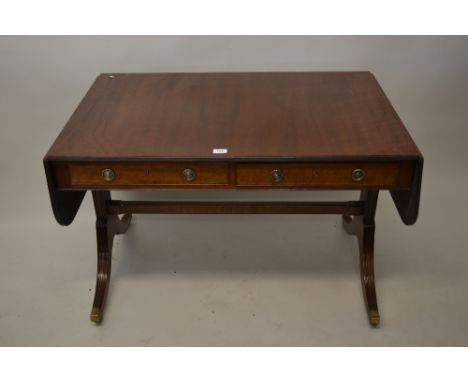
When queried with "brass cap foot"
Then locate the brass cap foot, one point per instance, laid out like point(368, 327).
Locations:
point(374, 317)
point(96, 315)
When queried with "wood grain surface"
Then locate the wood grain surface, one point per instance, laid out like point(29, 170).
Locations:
point(151, 175)
point(176, 116)
point(243, 123)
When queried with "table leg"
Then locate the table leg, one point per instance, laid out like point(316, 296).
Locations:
point(106, 227)
point(364, 229)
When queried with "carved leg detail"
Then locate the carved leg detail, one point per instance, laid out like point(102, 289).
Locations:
point(104, 253)
point(364, 229)
point(106, 227)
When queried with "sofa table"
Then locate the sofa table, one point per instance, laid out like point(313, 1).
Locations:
point(234, 131)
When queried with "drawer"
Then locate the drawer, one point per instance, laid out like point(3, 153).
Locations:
point(80, 175)
point(325, 175)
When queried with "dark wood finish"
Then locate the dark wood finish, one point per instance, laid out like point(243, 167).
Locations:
point(258, 117)
point(407, 202)
point(364, 229)
point(326, 175)
point(82, 176)
point(253, 115)
point(141, 175)
point(121, 207)
point(65, 205)
point(234, 131)
point(107, 226)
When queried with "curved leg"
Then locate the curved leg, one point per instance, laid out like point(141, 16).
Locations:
point(106, 227)
point(364, 229)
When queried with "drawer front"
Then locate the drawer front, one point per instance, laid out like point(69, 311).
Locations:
point(325, 175)
point(140, 175)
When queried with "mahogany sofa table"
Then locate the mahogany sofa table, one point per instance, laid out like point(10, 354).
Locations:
point(233, 131)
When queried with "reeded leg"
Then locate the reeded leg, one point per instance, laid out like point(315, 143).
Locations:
point(106, 227)
point(364, 229)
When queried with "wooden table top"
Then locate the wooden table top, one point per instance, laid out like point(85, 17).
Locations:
point(254, 116)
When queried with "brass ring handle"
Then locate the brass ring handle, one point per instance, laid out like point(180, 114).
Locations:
point(276, 176)
point(108, 174)
point(189, 175)
point(358, 175)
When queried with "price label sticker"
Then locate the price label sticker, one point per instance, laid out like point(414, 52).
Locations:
point(220, 151)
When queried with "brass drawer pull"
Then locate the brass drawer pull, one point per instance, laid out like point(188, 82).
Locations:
point(189, 175)
point(108, 174)
point(276, 176)
point(358, 175)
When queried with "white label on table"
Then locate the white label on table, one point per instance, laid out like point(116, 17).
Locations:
point(220, 151)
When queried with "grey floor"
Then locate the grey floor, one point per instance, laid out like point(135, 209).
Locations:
point(234, 280)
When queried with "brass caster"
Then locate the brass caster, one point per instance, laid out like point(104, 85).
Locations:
point(96, 315)
point(374, 317)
